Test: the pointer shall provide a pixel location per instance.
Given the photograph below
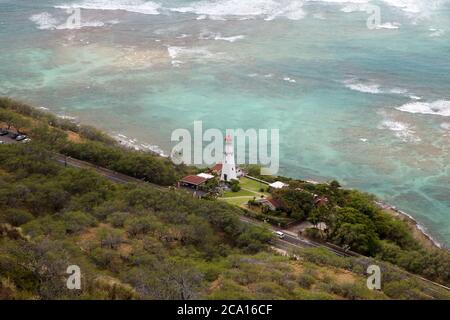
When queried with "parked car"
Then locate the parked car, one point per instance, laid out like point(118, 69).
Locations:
point(26, 140)
point(21, 137)
point(279, 234)
point(3, 132)
point(2, 142)
point(13, 135)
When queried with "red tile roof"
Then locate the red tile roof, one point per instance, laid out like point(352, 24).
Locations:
point(194, 180)
point(320, 201)
point(275, 203)
point(217, 167)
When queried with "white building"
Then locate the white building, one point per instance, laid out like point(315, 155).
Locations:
point(207, 176)
point(228, 164)
point(278, 185)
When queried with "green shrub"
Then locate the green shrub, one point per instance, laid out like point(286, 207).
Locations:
point(77, 221)
point(16, 217)
point(110, 238)
point(306, 281)
point(235, 187)
point(117, 219)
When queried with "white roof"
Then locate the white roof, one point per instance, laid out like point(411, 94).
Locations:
point(205, 175)
point(322, 226)
point(278, 185)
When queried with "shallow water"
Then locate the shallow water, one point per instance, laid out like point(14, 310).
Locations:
point(368, 107)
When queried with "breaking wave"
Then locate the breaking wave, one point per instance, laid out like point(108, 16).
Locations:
point(440, 107)
point(268, 9)
point(45, 21)
point(401, 130)
point(137, 6)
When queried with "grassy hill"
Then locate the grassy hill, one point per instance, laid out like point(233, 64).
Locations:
point(134, 241)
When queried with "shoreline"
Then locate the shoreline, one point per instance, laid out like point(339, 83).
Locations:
point(419, 232)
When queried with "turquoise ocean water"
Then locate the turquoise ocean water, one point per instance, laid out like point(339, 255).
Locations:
point(369, 107)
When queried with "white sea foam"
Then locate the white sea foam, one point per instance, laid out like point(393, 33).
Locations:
point(388, 25)
point(346, 2)
point(372, 88)
point(268, 9)
point(135, 145)
point(45, 21)
point(440, 107)
point(88, 24)
point(398, 91)
point(369, 86)
point(412, 8)
point(229, 39)
point(180, 54)
point(288, 79)
point(401, 130)
point(424, 230)
point(218, 36)
point(137, 6)
point(415, 6)
point(436, 32)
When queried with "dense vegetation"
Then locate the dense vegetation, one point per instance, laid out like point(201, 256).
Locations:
point(94, 146)
point(354, 221)
point(137, 242)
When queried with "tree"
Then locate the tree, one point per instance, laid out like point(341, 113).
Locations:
point(254, 239)
point(235, 187)
point(77, 221)
point(110, 238)
point(136, 226)
point(7, 117)
point(296, 202)
point(16, 217)
point(117, 219)
point(358, 237)
point(334, 184)
point(20, 123)
point(51, 138)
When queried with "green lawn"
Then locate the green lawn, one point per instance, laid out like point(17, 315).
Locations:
point(254, 186)
point(237, 201)
point(251, 190)
point(240, 193)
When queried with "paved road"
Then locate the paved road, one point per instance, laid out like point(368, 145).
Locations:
point(288, 242)
point(110, 174)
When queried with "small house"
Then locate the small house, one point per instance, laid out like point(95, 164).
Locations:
point(278, 185)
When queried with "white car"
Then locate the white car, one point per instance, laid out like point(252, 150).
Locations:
point(279, 234)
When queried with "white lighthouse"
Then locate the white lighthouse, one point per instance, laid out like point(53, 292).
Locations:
point(228, 165)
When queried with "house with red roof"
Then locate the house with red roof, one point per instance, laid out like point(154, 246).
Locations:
point(270, 203)
point(217, 169)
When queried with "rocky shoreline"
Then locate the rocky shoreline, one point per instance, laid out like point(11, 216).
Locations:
point(418, 230)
